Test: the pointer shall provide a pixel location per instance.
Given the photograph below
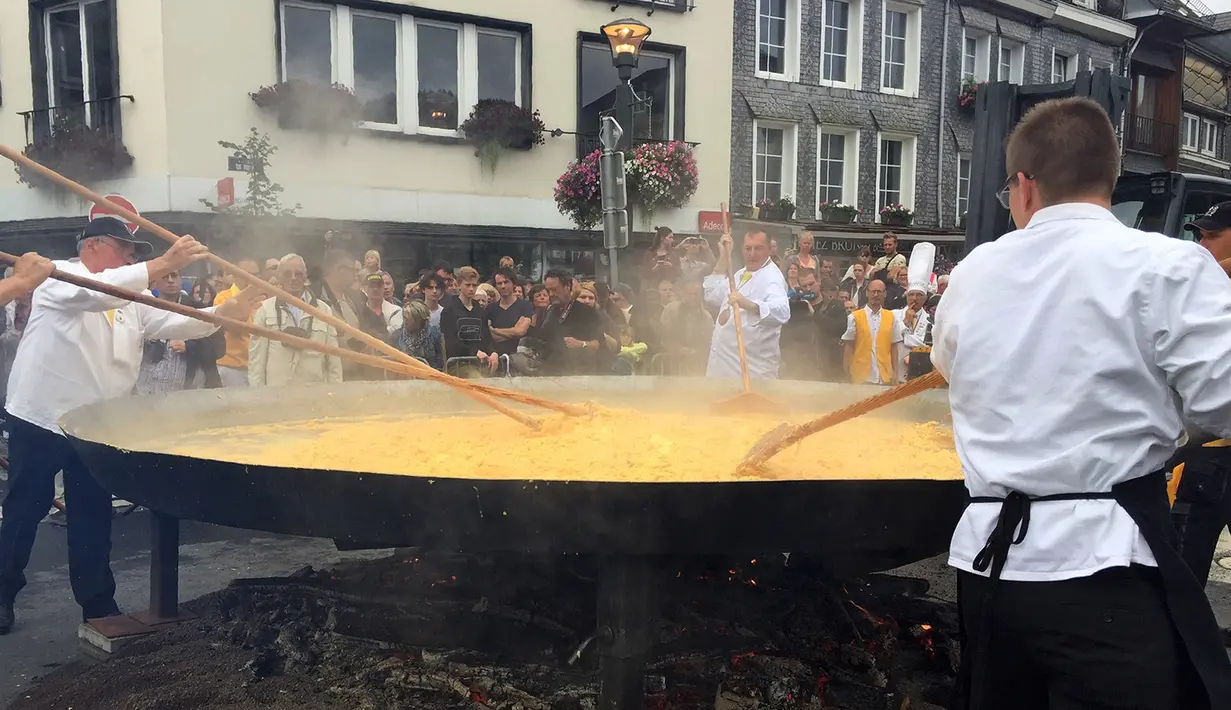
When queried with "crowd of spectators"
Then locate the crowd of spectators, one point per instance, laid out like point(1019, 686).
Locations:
point(456, 319)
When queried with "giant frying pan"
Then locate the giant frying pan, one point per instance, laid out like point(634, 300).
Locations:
point(855, 525)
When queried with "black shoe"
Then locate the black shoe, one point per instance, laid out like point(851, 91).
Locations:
point(6, 618)
point(113, 611)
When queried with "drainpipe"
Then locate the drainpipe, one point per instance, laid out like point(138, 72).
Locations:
point(940, 124)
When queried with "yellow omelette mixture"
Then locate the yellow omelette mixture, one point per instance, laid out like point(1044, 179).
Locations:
point(610, 445)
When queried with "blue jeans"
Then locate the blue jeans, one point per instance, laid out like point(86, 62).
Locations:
point(35, 456)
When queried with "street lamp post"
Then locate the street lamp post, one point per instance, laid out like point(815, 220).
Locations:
point(625, 37)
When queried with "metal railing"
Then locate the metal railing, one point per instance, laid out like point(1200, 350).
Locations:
point(102, 115)
point(1148, 135)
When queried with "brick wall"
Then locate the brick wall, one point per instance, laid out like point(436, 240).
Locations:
point(807, 103)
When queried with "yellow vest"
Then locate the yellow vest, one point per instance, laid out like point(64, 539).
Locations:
point(861, 360)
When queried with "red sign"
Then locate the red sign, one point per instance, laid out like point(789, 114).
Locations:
point(709, 222)
point(97, 211)
point(226, 192)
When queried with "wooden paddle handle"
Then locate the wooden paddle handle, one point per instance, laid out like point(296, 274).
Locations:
point(307, 344)
point(342, 326)
point(735, 315)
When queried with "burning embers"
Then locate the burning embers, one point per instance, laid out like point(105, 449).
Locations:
point(437, 632)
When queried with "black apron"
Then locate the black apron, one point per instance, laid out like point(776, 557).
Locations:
point(1145, 500)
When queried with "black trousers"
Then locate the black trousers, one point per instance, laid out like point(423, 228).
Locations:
point(35, 456)
point(1104, 642)
point(1202, 508)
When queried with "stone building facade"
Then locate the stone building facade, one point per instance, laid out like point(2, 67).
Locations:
point(880, 128)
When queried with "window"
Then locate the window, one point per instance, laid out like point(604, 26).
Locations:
point(80, 45)
point(410, 75)
point(837, 165)
point(1009, 65)
point(777, 37)
point(1063, 67)
point(1190, 128)
point(963, 185)
point(895, 171)
point(840, 43)
point(773, 161)
point(976, 47)
point(1207, 137)
point(900, 50)
point(654, 81)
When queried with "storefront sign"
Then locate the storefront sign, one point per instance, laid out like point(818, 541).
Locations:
point(709, 222)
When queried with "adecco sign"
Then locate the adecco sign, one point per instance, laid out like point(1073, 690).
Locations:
point(709, 222)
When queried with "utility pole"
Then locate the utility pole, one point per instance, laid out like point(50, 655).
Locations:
point(614, 195)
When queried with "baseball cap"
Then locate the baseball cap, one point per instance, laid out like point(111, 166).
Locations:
point(1217, 218)
point(114, 228)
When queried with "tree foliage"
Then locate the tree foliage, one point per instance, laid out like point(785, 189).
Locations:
point(264, 198)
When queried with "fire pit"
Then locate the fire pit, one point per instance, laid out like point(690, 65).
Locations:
point(851, 526)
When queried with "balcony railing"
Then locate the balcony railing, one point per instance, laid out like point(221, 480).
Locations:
point(1147, 135)
point(101, 115)
point(587, 144)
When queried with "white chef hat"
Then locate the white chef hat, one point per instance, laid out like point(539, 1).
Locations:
point(919, 268)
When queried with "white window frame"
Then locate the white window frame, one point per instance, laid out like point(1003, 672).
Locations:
point(854, 46)
point(1017, 61)
point(1209, 147)
point(850, 163)
point(1070, 66)
point(85, 58)
point(981, 71)
point(960, 183)
point(1190, 125)
point(909, 166)
point(910, 78)
point(790, 59)
point(790, 157)
point(407, 59)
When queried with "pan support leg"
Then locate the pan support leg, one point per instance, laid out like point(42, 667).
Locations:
point(626, 611)
point(164, 572)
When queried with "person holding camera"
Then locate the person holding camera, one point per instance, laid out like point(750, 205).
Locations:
point(275, 364)
point(697, 260)
point(662, 260)
point(811, 339)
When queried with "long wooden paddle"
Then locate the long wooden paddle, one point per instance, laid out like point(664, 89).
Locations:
point(313, 345)
point(746, 401)
point(785, 435)
point(418, 369)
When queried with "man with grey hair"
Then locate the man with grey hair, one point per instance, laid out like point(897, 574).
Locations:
point(274, 363)
point(81, 347)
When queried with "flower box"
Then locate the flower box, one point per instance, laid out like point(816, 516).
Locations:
point(837, 213)
point(897, 220)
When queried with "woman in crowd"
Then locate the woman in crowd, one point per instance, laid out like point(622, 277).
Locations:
point(661, 260)
point(540, 298)
point(485, 294)
point(803, 259)
point(418, 337)
point(203, 292)
point(371, 262)
point(792, 277)
point(587, 295)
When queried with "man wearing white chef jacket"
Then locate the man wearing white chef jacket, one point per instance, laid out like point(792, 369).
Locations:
point(1067, 407)
point(81, 347)
point(764, 308)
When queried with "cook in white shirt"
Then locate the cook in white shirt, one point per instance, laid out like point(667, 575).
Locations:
point(1063, 382)
point(760, 294)
point(80, 347)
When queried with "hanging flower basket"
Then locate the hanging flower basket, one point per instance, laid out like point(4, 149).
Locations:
point(837, 213)
point(496, 125)
point(303, 105)
point(968, 93)
point(896, 216)
point(657, 176)
point(76, 151)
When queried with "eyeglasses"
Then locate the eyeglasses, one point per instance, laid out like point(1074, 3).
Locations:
point(1003, 196)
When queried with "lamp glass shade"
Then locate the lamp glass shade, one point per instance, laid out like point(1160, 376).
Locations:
point(625, 36)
